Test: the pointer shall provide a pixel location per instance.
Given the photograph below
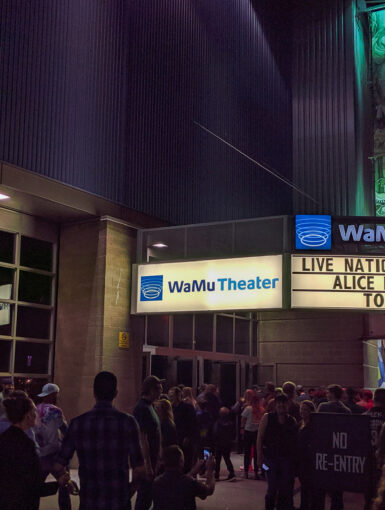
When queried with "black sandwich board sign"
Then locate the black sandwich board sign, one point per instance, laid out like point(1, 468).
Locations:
point(341, 449)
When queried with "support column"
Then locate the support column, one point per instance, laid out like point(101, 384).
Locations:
point(93, 307)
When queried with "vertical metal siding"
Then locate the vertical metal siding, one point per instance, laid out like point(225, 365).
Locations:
point(324, 145)
point(102, 94)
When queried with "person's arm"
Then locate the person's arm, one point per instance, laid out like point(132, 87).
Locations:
point(196, 468)
point(146, 455)
point(135, 453)
point(244, 415)
point(67, 450)
point(243, 423)
point(207, 488)
point(210, 480)
point(260, 438)
point(62, 460)
point(64, 425)
point(143, 418)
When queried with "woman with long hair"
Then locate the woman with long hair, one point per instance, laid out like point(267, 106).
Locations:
point(167, 425)
point(20, 479)
point(187, 396)
point(251, 416)
point(237, 411)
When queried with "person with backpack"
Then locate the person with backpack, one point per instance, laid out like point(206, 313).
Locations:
point(51, 427)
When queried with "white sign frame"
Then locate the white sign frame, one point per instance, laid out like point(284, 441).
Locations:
point(332, 281)
point(267, 294)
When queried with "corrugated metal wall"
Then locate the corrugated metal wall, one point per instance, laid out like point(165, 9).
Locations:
point(324, 125)
point(103, 95)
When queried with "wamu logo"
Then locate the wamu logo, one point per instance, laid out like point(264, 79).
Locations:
point(313, 232)
point(151, 288)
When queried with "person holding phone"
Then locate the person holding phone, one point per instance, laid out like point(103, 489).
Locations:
point(178, 491)
point(276, 448)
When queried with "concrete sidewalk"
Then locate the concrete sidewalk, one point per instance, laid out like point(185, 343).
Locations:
point(240, 494)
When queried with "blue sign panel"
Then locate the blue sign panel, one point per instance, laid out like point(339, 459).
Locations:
point(151, 288)
point(313, 232)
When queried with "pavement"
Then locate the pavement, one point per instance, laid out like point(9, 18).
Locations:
point(239, 494)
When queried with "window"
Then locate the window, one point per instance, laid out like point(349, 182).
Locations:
point(27, 282)
point(242, 336)
point(7, 243)
point(204, 332)
point(35, 288)
point(31, 358)
point(6, 318)
point(36, 254)
point(183, 331)
point(5, 355)
point(225, 333)
point(158, 330)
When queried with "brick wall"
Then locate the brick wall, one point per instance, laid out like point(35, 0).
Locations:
point(93, 306)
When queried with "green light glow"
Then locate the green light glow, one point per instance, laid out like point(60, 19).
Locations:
point(377, 24)
point(362, 207)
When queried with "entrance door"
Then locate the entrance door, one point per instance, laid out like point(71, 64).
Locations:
point(228, 383)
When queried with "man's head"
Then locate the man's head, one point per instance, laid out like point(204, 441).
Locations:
point(201, 388)
point(173, 458)
point(334, 392)
point(175, 395)
point(281, 404)
point(152, 388)
point(105, 386)
point(20, 410)
point(211, 388)
point(367, 395)
point(49, 393)
point(351, 394)
point(269, 387)
point(224, 412)
point(8, 386)
point(379, 398)
point(289, 388)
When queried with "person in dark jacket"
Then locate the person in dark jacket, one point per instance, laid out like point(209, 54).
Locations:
point(276, 447)
point(186, 426)
point(20, 479)
point(223, 434)
point(351, 401)
point(213, 402)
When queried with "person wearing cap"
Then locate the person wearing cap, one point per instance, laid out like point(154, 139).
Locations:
point(51, 423)
point(149, 425)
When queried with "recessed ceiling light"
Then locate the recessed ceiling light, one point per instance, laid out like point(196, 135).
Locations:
point(4, 197)
point(159, 245)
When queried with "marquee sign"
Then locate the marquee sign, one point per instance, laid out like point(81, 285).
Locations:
point(249, 283)
point(336, 281)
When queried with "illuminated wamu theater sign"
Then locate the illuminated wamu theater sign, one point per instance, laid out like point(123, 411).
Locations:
point(316, 232)
point(246, 283)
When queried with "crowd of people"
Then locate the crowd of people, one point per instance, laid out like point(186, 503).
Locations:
point(173, 445)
